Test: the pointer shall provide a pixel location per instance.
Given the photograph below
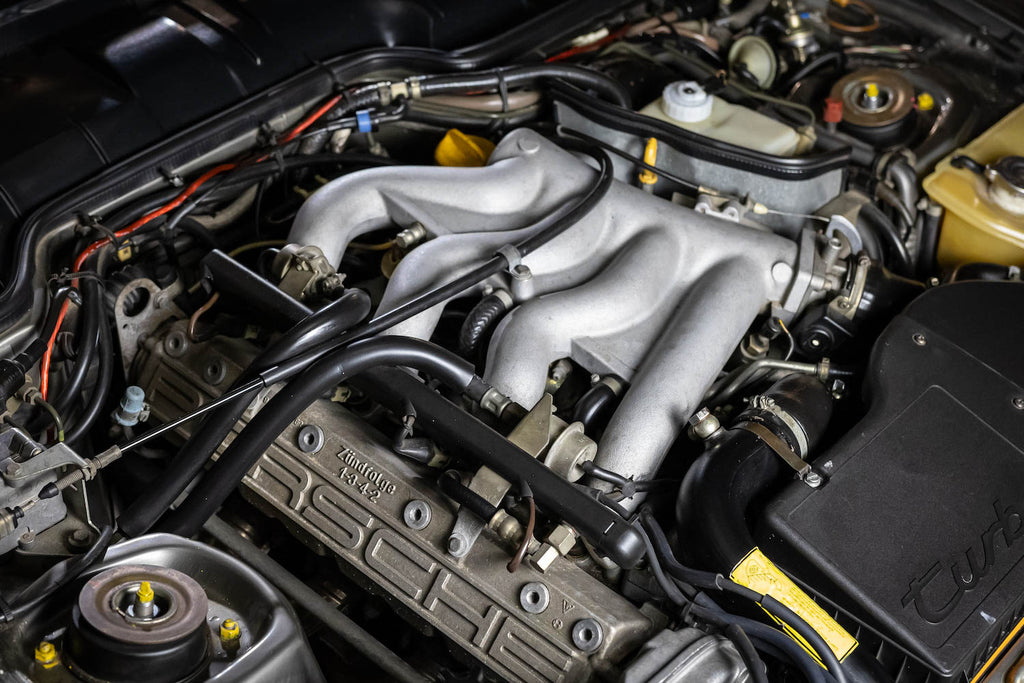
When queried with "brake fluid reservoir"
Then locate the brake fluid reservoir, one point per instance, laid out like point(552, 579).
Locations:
point(984, 219)
point(687, 105)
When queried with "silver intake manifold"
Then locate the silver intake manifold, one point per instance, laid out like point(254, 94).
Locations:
point(641, 287)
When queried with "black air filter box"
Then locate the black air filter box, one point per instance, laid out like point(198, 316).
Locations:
point(918, 532)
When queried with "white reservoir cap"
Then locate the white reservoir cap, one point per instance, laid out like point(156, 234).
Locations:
point(686, 101)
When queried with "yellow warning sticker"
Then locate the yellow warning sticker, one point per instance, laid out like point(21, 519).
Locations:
point(758, 573)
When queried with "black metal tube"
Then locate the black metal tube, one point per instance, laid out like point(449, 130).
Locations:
point(465, 435)
point(218, 483)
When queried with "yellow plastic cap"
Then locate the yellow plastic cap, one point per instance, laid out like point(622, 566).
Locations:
point(145, 592)
point(46, 655)
point(925, 101)
point(458, 149)
point(871, 90)
point(229, 630)
point(650, 158)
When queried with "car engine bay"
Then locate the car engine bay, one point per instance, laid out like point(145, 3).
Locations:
point(549, 342)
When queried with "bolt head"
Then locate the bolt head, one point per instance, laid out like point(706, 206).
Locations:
point(920, 339)
point(1018, 403)
point(813, 479)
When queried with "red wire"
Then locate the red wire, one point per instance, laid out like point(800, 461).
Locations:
point(44, 368)
point(310, 120)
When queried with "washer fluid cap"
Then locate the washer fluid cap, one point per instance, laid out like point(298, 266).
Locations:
point(686, 101)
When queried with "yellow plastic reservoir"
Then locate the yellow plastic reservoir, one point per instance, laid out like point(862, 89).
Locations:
point(978, 226)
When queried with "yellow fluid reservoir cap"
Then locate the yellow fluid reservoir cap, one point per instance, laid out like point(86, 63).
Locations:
point(925, 101)
point(871, 90)
point(145, 592)
point(458, 149)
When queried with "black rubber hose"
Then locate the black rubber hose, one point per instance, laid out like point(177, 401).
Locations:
point(478, 326)
point(451, 485)
point(87, 348)
point(810, 67)
point(97, 404)
point(225, 475)
point(721, 484)
point(707, 610)
point(314, 330)
point(739, 638)
point(517, 76)
point(596, 406)
point(198, 232)
point(58, 576)
point(929, 243)
point(871, 218)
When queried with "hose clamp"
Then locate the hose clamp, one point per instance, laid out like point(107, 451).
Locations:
point(514, 259)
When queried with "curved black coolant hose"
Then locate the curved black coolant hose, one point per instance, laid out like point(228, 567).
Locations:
point(595, 407)
point(319, 328)
point(871, 218)
point(479, 324)
point(721, 484)
point(105, 374)
point(299, 394)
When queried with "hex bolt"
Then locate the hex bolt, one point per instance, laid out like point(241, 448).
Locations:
point(310, 439)
point(534, 597)
point(920, 339)
point(176, 344)
point(79, 539)
point(813, 479)
point(215, 371)
point(13, 469)
point(417, 515)
point(587, 635)
point(457, 545)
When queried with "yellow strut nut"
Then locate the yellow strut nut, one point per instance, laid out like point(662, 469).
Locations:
point(145, 592)
point(230, 631)
point(925, 102)
point(650, 158)
point(46, 655)
point(871, 90)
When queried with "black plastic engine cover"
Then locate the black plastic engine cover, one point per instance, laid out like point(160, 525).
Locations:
point(918, 532)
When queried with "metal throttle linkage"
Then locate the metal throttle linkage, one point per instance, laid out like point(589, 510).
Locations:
point(11, 516)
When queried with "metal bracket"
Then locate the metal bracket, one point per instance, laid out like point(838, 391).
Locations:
point(779, 446)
